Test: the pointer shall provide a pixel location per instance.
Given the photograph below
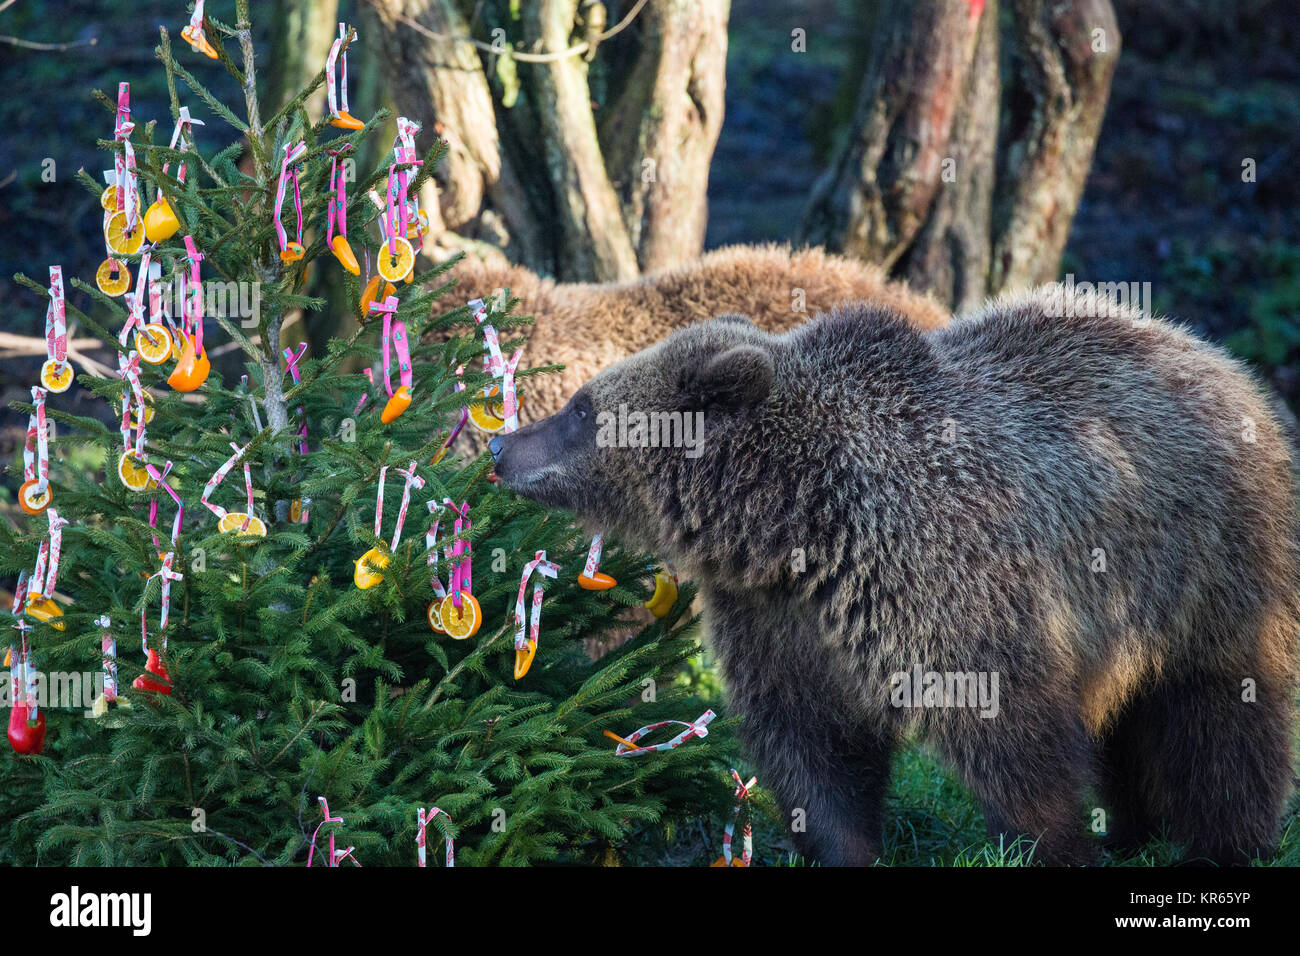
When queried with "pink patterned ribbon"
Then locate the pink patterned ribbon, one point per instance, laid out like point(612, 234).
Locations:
point(697, 728)
point(422, 818)
point(394, 333)
point(192, 320)
point(544, 568)
point(496, 366)
point(338, 205)
point(291, 155)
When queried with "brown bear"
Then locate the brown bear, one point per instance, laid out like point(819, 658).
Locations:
point(589, 326)
point(1092, 516)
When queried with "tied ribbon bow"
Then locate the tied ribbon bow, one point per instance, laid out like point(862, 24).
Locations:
point(423, 818)
point(56, 321)
point(394, 335)
point(36, 446)
point(412, 480)
point(291, 155)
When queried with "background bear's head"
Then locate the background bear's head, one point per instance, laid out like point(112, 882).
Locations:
point(764, 442)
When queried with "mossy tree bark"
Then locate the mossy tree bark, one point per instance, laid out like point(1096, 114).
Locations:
point(623, 120)
point(960, 178)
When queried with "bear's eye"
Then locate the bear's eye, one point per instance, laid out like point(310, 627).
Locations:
point(580, 412)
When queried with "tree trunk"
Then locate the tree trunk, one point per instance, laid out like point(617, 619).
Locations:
point(304, 30)
point(580, 145)
point(930, 183)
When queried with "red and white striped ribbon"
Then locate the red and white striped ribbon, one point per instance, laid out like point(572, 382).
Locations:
point(36, 446)
point(412, 480)
point(192, 320)
point(697, 728)
point(135, 315)
point(45, 575)
point(497, 366)
point(422, 819)
point(56, 321)
point(335, 856)
point(129, 371)
point(742, 794)
point(460, 580)
point(184, 127)
point(161, 478)
point(219, 476)
point(168, 576)
point(593, 556)
point(127, 190)
point(544, 568)
point(196, 21)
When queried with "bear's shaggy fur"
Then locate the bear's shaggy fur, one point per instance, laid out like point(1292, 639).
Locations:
point(1100, 511)
point(587, 327)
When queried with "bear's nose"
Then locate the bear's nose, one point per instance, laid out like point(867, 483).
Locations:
point(494, 446)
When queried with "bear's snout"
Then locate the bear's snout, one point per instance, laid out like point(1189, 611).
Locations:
point(494, 446)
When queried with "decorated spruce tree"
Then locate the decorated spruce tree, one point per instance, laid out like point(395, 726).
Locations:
point(280, 590)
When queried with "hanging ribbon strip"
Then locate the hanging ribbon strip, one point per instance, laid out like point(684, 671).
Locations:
point(129, 371)
point(219, 476)
point(698, 728)
point(747, 838)
point(56, 324)
point(184, 128)
point(404, 152)
point(330, 61)
point(126, 189)
point(36, 447)
point(460, 423)
point(431, 549)
point(544, 568)
point(461, 578)
point(23, 680)
point(160, 478)
point(394, 333)
point(291, 155)
point(400, 207)
point(422, 819)
point(336, 856)
point(593, 556)
point(337, 209)
point(412, 480)
point(498, 367)
point(168, 560)
point(135, 315)
point(45, 575)
point(192, 320)
point(291, 360)
point(108, 648)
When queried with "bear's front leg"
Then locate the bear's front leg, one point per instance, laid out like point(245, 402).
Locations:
point(829, 778)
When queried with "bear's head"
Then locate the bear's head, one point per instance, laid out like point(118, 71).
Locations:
point(652, 446)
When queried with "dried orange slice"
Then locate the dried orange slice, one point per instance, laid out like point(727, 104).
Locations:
point(463, 622)
point(488, 416)
point(57, 376)
point(148, 411)
point(154, 343)
point(434, 614)
point(234, 521)
point(132, 473)
point(121, 241)
point(108, 199)
point(32, 500)
point(112, 277)
point(395, 266)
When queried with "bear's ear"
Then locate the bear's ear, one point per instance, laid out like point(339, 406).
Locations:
point(740, 377)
